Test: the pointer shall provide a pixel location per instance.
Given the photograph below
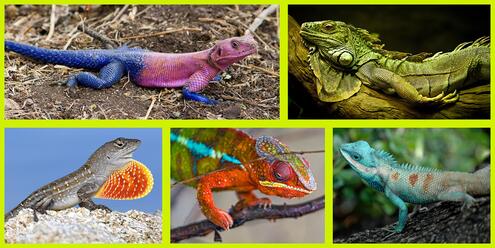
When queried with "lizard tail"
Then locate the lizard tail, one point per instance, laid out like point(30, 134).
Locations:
point(483, 175)
point(89, 59)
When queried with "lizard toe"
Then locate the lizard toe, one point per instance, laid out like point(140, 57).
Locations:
point(222, 219)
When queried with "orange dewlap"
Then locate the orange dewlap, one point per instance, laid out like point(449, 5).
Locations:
point(132, 181)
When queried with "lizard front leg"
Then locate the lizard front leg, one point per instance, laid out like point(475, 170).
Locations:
point(108, 76)
point(397, 201)
point(379, 76)
point(249, 199)
point(218, 181)
point(85, 193)
point(196, 83)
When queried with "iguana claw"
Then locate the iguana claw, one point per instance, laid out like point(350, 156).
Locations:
point(440, 99)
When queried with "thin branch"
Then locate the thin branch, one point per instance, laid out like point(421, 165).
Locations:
point(205, 227)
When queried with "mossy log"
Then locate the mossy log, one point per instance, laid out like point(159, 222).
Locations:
point(473, 103)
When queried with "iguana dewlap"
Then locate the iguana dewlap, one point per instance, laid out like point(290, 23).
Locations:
point(190, 71)
point(342, 57)
point(414, 184)
point(109, 173)
point(229, 159)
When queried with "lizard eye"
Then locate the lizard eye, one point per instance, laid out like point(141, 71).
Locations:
point(356, 156)
point(282, 171)
point(328, 26)
point(119, 143)
point(235, 44)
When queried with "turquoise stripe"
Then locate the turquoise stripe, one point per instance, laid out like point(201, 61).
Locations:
point(202, 150)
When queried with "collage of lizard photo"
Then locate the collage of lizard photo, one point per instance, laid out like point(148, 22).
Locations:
point(246, 123)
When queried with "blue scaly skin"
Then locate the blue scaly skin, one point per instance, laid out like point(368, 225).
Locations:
point(403, 183)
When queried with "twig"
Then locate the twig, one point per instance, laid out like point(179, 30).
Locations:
point(258, 68)
point(53, 20)
point(109, 43)
point(261, 17)
point(205, 227)
point(121, 12)
point(162, 33)
point(249, 102)
point(153, 100)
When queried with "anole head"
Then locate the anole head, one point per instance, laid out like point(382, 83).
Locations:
point(229, 51)
point(114, 154)
point(281, 172)
point(365, 161)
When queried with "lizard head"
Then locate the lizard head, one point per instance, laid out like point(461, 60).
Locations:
point(115, 154)
point(229, 51)
point(365, 160)
point(337, 42)
point(281, 173)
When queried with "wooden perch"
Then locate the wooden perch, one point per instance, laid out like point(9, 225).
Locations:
point(446, 222)
point(205, 227)
point(473, 103)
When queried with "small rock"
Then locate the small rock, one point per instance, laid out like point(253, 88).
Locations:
point(11, 104)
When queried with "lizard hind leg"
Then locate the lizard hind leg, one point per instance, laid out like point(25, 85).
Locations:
point(108, 76)
point(249, 199)
point(456, 194)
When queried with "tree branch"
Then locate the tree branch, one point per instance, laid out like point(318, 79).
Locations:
point(205, 227)
point(368, 103)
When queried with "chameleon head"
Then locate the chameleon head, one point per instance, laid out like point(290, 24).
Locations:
point(116, 153)
point(335, 41)
point(281, 172)
point(364, 161)
point(229, 51)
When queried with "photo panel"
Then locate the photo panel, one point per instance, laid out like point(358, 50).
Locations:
point(389, 61)
point(114, 175)
point(414, 185)
point(142, 61)
point(272, 174)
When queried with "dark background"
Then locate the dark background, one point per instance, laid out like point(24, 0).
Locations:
point(405, 28)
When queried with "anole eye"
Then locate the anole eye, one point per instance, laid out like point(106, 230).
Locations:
point(282, 171)
point(119, 143)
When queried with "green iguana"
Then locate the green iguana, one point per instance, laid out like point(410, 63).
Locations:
point(343, 57)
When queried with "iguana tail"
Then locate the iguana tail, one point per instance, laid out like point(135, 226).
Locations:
point(89, 59)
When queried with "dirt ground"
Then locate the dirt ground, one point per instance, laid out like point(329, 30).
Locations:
point(249, 89)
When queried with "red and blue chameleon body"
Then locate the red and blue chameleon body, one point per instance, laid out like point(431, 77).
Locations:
point(191, 71)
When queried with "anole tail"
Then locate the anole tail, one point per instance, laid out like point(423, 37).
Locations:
point(79, 59)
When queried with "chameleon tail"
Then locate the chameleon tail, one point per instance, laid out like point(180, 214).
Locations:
point(79, 59)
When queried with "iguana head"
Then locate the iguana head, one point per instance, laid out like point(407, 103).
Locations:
point(341, 44)
point(229, 51)
point(281, 172)
point(365, 161)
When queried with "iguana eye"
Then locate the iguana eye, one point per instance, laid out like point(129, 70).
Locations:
point(235, 44)
point(328, 26)
point(282, 171)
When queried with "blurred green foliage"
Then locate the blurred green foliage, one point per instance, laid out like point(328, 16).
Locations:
point(357, 206)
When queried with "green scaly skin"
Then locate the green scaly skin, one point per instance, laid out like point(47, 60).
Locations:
point(403, 183)
point(343, 57)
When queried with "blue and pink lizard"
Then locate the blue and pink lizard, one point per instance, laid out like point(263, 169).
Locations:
point(403, 183)
point(191, 71)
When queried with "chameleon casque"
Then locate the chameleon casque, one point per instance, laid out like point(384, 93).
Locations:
point(414, 184)
point(342, 57)
point(228, 159)
point(109, 173)
point(191, 71)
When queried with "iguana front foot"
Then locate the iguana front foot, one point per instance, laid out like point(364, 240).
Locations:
point(220, 218)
